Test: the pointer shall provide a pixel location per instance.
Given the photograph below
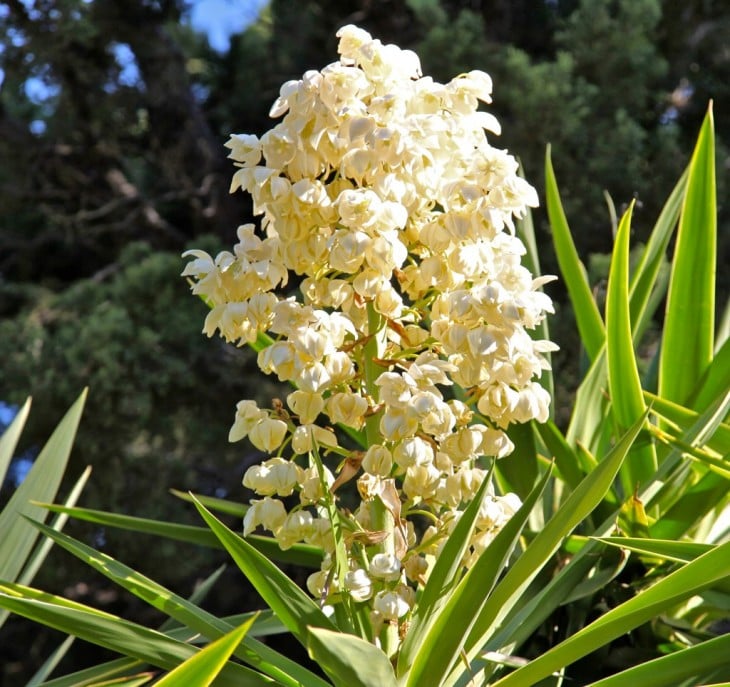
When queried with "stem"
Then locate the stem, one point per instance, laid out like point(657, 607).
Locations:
point(382, 518)
point(374, 349)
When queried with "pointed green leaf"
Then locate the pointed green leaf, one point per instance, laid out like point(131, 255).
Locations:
point(442, 579)
point(348, 660)
point(608, 566)
point(253, 652)
point(300, 554)
point(97, 674)
point(590, 410)
point(202, 668)
point(17, 537)
point(684, 418)
point(238, 510)
point(291, 605)
point(131, 681)
point(50, 663)
point(114, 633)
point(10, 437)
point(716, 379)
point(691, 579)
point(448, 631)
point(531, 260)
point(645, 279)
point(566, 460)
point(624, 386)
point(572, 512)
point(587, 317)
point(57, 524)
point(689, 322)
point(698, 500)
point(38, 555)
point(679, 551)
point(668, 671)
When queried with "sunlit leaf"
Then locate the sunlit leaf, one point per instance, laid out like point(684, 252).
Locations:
point(17, 537)
point(292, 606)
point(348, 660)
point(202, 668)
point(689, 322)
point(627, 401)
point(588, 319)
point(692, 578)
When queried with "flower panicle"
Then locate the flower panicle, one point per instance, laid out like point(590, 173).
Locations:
point(380, 190)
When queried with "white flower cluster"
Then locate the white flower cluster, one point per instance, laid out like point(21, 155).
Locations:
point(379, 189)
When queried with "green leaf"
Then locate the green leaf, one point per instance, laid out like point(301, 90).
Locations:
point(691, 579)
point(716, 379)
point(348, 660)
point(566, 460)
point(573, 511)
point(300, 554)
point(531, 260)
point(290, 604)
point(448, 631)
point(202, 668)
point(608, 566)
point(645, 280)
point(10, 437)
point(518, 471)
point(667, 671)
point(689, 322)
point(442, 579)
point(39, 555)
point(624, 385)
point(684, 417)
point(237, 510)
point(694, 503)
point(114, 633)
point(255, 653)
point(589, 418)
point(50, 663)
point(41, 483)
point(679, 551)
point(588, 319)
point(90, 676)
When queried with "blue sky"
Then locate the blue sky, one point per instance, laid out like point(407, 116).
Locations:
point(222, 18)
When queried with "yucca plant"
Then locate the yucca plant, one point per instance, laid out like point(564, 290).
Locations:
point(638, 475)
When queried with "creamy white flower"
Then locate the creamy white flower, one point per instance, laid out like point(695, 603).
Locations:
point(306, 438)
point(273, 477)
point(268, 434)
point(306, 405)
point(347, 408)
point(296, 528)
point(377, 461)
point(358, 584)
point(269, 513)
point(312, 490)
point(385, 566)
point(391, 605)
point(248, 415)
